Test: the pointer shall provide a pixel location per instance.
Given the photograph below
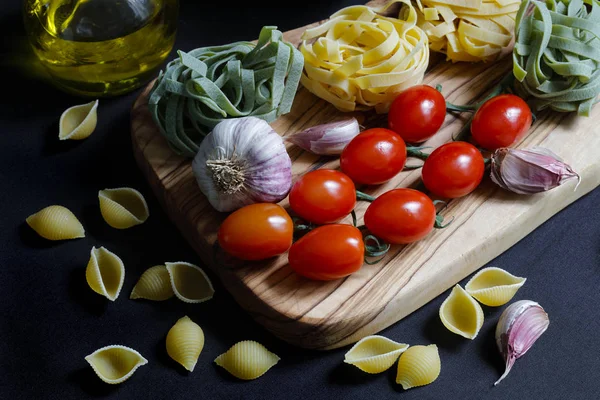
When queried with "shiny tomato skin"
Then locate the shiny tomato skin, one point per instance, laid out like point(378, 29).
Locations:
point(401, 216)
point(257, 232)
point(417, 113)
point(501, 121)
point(328, 252)
point(374, 156)
point(453, 170)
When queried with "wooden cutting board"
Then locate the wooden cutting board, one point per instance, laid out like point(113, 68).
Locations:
point(326, 315)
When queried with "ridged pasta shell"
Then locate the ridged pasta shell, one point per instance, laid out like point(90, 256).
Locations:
point(78, 122)
point(461, 314)
point(418, 366)
point(115, 364)
point(494, 286)
point(185, 342)
point(247, 360)
point(105, 273)
point(123, 208)
point(189, 282)
point(56, 223)
point(374, 354)
point(154, 284)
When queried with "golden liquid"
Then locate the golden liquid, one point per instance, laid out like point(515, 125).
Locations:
point(101, 48)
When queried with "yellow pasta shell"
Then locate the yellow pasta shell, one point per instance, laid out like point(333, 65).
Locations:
point(154, 284)
point(56, 223)
point(105, 273)
point(78, 122)
point(494, 286)
point(418, 366)
point(374, 354)
point(461, 314)
point(189, 282)
point(185, 342)
point(115, 364)
point(123, 208)
point(247, 360)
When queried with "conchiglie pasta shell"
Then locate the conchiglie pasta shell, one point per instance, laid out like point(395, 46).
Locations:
point(115, 364)
point(105, 273)
point(418, 366)
point(185, 342)
point(78, 122)
point(494, 286)
point(461, 314)
point(189, 282)
point(247, 360)
point(154, 284)
point(123, 208)
point(56, 223)
point(374, 354)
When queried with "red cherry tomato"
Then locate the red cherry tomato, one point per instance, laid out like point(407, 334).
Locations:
point(374, 156)
point(401, 216)
point(323, 196)
point(328, 252)
point(256, 232)
point(453, 170)
point(417, 113)
point(501, 121)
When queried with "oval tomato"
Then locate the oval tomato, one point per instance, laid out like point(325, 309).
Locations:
point(453, 170)
point(257, 232)
point(374, 156)
point(501, 121)
point(401, 216)
point(323, 196)
point(328, 252)
point(417, 113)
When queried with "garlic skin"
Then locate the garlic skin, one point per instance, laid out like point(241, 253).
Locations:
point(242, 161)
point(529, 171)
point(519, 326)
point(327, 139)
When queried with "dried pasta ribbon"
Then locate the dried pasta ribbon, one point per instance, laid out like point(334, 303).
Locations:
point(56, 223)
point(78, 122)
point(185, 342)
point(493, 286)
point(154, 284)
point(105, 273)
point(247, 360)
point(360, 59)
point(115, 364)
point(189, 282)
point(461, 314)
point(374, 354)
point(123, 208)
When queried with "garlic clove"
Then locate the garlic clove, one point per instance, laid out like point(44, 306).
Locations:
point(327, 139)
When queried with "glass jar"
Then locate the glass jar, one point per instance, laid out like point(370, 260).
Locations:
point(100, 48)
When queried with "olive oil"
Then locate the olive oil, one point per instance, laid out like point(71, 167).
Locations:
point(99, 48)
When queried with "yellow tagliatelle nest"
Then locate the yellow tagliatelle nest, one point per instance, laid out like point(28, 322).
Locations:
point(468, 30)
point(360, 59)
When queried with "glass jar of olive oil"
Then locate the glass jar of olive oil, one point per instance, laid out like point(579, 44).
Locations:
point(100, 48)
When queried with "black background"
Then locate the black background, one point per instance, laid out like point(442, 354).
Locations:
point(51, 319)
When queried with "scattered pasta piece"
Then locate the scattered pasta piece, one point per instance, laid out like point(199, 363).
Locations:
point(154, 284)
point(123, 208)
point(189, 282)
point(115, 364)
point(494, 286)
point(185, 342)
point(461, 314)
point(374, 354)
point(247, 360)
point(56, 223)
point(78, 122)
point(105, 273)
point(418, 366)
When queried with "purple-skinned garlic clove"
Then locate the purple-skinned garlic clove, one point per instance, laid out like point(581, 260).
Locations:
point(327, 139)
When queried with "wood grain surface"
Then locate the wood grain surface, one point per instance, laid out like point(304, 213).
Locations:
point(325, 315)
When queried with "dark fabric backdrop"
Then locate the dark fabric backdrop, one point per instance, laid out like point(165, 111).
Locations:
point(51, 319)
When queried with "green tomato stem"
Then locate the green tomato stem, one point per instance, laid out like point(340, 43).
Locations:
point(365, 197)
point(416, 152)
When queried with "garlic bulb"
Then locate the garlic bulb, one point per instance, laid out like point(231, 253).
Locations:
point(327, 139)
point(241, 162)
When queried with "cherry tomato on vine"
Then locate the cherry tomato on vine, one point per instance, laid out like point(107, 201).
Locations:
point(256, 232)
point(417, 113)
point(374, 156)
point(453, 170)
point(401, 216)
point(323, 196)
point(501, 121)
point(328, 252)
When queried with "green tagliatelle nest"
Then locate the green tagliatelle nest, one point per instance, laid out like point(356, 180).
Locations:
point(557, 54)
point(201, 88)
